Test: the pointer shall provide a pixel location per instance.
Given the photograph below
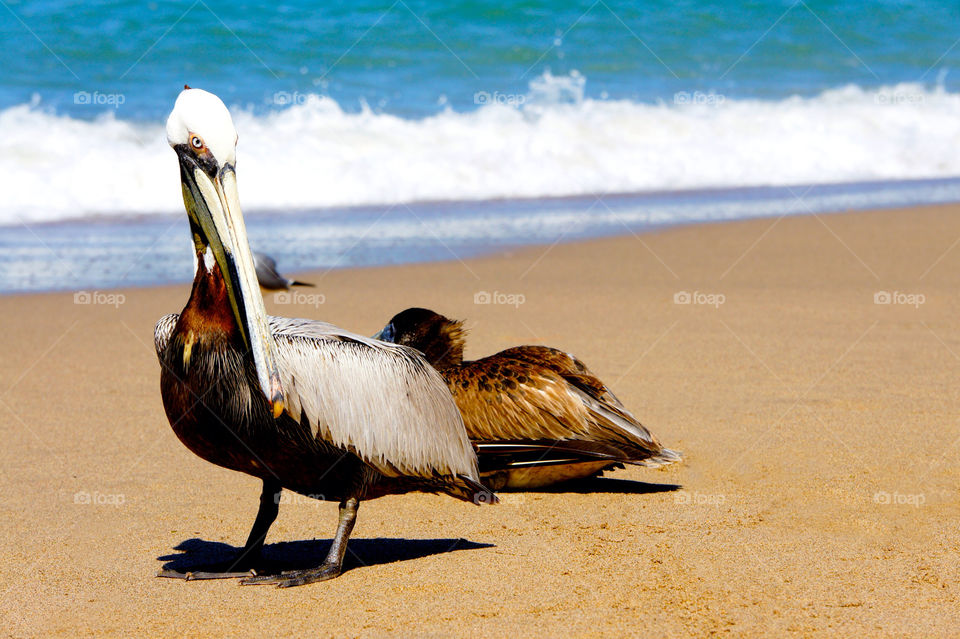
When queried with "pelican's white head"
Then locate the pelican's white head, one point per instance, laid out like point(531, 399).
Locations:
point(201, 132)
point(202, 122)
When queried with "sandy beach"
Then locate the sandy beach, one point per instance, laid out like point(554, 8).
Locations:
point(806, 367)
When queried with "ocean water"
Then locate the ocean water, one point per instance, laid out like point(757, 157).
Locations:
point(393, 112)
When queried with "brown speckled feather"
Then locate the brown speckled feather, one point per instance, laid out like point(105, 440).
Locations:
point(568, 367)
point(511, 396)
point(510, 399)
point(530, 405)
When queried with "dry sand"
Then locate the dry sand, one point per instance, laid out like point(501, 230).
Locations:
point(820, 431)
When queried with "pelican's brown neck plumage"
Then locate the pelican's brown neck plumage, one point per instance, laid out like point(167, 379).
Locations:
point(440, 339)
point(208, 309)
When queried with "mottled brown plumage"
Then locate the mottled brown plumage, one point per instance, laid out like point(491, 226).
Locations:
point(536, 414)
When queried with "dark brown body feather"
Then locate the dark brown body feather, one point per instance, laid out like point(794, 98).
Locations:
point(536, 414)
point(212, 399)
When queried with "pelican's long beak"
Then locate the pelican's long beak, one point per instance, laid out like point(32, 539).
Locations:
point(386, 334)
point(213, 205)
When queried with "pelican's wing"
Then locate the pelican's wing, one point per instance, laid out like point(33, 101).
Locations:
point(568, 367)
point(514, 399)
point(381, 401)
point(163, 330)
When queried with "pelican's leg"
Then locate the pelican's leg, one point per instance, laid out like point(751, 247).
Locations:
point(330, 567)
point(248, 558)
point(266, 515)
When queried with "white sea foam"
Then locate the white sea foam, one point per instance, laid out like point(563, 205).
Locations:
point(553, 142)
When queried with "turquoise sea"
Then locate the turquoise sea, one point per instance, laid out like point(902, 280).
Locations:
point(381, 132)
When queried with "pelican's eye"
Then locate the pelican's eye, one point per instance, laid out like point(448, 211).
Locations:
point(196, 142)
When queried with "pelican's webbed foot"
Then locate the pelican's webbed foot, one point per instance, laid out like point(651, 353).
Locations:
point(331, 567)
point(289, 578)
point(249, 562)
point(231, 569)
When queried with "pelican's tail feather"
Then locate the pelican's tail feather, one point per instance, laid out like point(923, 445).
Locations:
point(663, 458)
point(509, 454)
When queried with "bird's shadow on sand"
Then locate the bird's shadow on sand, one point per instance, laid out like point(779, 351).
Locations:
point(295, 555)
point(609, 485)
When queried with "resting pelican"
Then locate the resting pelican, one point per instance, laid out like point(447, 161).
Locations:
point(537, 415)
point(300, 404)
point(268, 275)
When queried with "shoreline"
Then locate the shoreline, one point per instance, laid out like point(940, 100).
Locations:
point(105, 254)
point(546, 201)
point(817, 422)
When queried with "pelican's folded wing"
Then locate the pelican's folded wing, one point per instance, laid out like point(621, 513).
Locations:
point(520, 395)
point(381, 401)
point(568, 367)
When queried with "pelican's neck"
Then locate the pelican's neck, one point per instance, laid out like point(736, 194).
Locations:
point(445, 348)
point(208, 309)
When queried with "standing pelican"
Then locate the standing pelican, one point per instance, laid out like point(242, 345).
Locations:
point(269, 277)
point(537, 415)
point(299, 404)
